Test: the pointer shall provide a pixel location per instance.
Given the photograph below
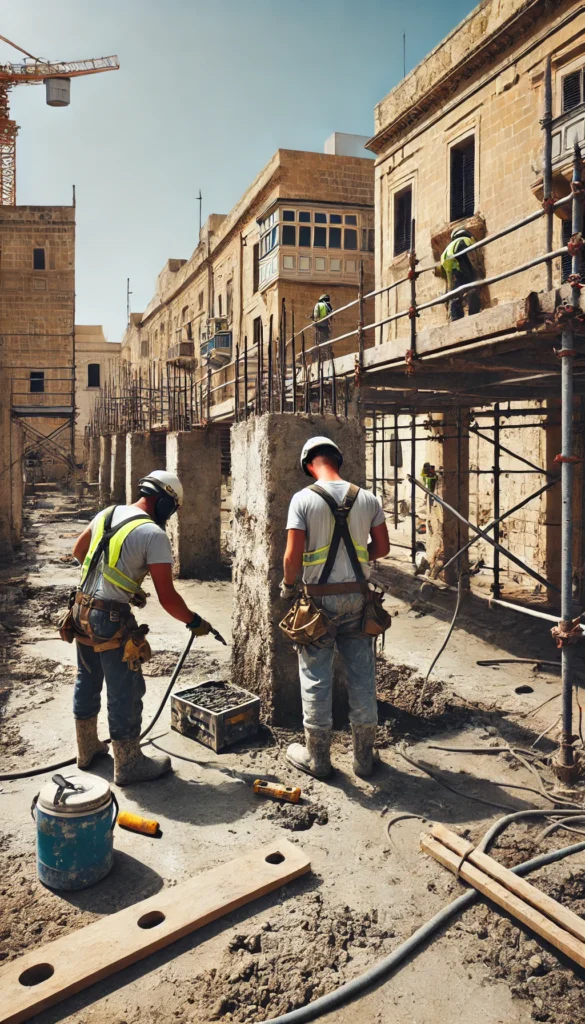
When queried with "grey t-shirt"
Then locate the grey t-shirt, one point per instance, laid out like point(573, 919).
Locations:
point(311, 513)
point(146, 545)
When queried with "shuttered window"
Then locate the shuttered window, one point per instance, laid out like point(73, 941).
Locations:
point(573, 90)
point(462, 186)
point(402, 221)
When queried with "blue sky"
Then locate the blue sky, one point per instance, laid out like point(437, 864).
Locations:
point(207, 91)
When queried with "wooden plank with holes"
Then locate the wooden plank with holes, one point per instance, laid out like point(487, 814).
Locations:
point(51, 973)
point(527, 915)
point(562, 916)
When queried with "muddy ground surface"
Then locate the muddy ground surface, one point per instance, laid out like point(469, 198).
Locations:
point(370, 885)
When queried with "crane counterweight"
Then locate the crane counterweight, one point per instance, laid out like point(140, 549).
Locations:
point(57, 77)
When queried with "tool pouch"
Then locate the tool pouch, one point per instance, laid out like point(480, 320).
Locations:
point(137, 649)
point(66, 627)
point(304, 623)
point(376, 619)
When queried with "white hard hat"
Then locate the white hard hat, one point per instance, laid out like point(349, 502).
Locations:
point(160, 480)
point(317, 442)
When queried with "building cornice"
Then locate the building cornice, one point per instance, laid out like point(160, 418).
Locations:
point(435, 80)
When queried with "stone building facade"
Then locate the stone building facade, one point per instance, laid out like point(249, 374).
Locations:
point(37, 305)
point(301, 229)
point(459, 142)
point(96, 360)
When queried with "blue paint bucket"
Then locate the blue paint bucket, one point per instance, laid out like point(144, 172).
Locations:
point(75, 817)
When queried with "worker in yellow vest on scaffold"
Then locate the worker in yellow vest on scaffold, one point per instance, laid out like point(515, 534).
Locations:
point(460, 269)
point(117, 550)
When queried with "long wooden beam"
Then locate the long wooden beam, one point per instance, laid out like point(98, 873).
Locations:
point(51, 973)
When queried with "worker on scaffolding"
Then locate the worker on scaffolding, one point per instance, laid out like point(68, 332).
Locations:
point(337, 608)
point(321, 317)
point(460, 269)
point(119, 547)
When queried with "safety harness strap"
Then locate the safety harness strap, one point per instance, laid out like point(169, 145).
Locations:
point(340, 531)
point(104, 534)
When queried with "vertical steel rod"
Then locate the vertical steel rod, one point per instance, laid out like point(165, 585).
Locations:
point(396, 442)
point(374, 453)
point(496, 587)
point(237, 388)
point(361, 320)
point(245, 376)
point(546, 123)
point(413, 487)
point(567, 356)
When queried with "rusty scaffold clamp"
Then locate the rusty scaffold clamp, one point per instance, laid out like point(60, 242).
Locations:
point(567, 633)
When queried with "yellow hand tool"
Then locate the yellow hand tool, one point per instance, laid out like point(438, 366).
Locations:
point(290, 793)
point(137, 824)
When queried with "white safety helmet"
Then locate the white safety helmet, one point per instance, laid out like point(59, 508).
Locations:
point(309, 449)
point(161, 481)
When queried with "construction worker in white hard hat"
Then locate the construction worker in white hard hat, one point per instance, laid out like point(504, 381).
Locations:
point(334, 529)
point(460, 268)
point(119, 547)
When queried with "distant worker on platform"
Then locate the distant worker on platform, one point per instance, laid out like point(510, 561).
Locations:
point(461, 269)
point(117, 550)
point(321, 311)
point(333, 560)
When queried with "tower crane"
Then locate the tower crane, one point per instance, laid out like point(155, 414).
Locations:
point(57, 77)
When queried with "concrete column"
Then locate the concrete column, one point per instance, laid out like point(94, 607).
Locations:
point(266, 473)
point(93, 461)
point(118, 468)
point(194, 532)
point(450, 455)
point(17, 481)
point(142, 457)
point(105, 468)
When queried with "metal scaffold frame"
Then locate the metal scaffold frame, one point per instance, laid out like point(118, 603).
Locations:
point(288, 375)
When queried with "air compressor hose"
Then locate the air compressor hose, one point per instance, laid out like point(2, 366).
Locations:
point(30, 772)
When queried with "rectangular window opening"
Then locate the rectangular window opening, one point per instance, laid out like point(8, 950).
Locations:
point(320, 238)
point(38, 259)
point(320, 218)
point(304, 217)
point(93, 375)
point(573, 86)
point(462, 184)
point(37, 382)
point(350, 239)
point(305, 237)
point(402, 221)
point(335, 238)
point(256, 267)
point(288, 214)
point(289, 234)
point(335, 218)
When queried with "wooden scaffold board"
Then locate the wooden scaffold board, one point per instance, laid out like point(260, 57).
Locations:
point(51, 973)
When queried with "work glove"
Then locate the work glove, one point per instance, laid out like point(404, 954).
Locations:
point(199, 626)
point(288, 591)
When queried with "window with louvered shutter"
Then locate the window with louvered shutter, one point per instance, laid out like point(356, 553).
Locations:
point(462, 185)
point(573, 90)
point(402, 221)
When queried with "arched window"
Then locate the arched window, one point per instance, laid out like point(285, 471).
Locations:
point(93, 375)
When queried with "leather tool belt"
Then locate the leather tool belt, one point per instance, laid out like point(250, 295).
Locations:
point(120, 607)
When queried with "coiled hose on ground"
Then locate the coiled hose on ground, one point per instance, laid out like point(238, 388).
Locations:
point(30, 772)
point(414, 944)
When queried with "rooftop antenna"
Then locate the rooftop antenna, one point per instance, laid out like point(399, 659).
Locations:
point(404, 54)
point(128, 294)
point(200, 201)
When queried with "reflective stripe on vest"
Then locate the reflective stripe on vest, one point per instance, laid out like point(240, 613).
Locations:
point(109, 571)
point(319, 555)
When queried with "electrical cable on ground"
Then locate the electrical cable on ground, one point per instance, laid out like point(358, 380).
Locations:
point(412, 946)
point(561, 823)
point(30, 772)
point(448, 636)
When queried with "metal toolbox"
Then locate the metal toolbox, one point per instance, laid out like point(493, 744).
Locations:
point(215, 713)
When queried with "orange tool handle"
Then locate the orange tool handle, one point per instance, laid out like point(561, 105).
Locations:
point(137, 824)
point(290, 793)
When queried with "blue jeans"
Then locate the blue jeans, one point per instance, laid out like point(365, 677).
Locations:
point(359, 664)
point(125, 689)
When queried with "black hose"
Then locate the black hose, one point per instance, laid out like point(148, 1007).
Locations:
point(413, 945)
point(29, 773)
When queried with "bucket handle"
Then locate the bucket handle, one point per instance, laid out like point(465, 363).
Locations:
point(116, 807)
point(33, 806)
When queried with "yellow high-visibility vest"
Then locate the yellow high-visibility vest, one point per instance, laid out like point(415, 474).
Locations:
point(449, 261)
point(109, 570)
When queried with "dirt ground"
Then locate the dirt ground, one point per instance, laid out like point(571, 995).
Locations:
point(370, 885)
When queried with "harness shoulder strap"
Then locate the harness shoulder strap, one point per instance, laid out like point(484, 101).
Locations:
point(340, 531)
